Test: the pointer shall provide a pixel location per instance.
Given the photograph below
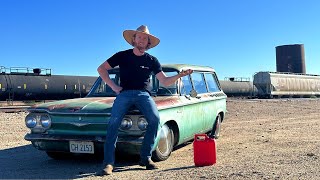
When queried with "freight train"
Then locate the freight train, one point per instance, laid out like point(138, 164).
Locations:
point(40, 84)
point(19, 84)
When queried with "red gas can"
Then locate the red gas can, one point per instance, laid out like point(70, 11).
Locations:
point(204, 150)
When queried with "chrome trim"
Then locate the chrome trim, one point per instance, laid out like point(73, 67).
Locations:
point(35, 110)
point(47, 137)
point(88, 123)
point(80, 124)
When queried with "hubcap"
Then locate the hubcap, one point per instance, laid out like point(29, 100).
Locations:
point(165, 142)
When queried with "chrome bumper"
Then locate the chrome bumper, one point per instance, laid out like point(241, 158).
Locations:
point(134, 140)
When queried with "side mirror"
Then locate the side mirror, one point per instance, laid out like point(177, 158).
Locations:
point(193, 93)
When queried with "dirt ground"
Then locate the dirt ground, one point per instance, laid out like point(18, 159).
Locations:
point(260, 139)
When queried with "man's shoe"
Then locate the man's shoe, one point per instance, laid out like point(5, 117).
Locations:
point(107, 170)
point(149, 164)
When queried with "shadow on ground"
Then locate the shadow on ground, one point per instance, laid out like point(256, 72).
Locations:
point(26, 162)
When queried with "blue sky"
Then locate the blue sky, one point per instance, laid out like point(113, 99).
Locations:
point(236, 38)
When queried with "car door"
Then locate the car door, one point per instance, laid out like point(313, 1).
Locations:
point(193, 112)
point(205, 101)
point(215, 102)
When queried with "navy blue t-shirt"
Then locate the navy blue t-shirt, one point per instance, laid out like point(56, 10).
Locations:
point(135, 70)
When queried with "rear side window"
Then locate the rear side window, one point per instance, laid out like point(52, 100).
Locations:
point(199, 82)
point(212, 82)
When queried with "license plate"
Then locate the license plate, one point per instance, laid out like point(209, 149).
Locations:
point(81, 147)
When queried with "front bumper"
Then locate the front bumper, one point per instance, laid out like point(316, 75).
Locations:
point(47, 142)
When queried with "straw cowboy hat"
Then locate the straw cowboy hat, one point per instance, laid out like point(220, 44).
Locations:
point(128, 36)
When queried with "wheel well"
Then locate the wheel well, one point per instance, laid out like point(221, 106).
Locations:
point(173, 125)
point(222, 115)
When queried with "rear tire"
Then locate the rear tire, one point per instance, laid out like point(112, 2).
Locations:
point(216, 127)
point(165, 144)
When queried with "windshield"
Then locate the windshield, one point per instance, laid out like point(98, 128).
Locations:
point(101, 89)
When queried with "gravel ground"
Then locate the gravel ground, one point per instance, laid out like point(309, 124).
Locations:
point(260, 139)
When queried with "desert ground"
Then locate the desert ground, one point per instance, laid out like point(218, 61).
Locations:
point(260, 139)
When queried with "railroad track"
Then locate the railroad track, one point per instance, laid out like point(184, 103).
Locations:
point(13, 109)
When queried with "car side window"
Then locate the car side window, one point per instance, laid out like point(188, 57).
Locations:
point(212, 82)
point(186, 85)
point(199, 82)
point(168, 90)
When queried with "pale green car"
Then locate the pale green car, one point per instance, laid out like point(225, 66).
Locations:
point(194, 104)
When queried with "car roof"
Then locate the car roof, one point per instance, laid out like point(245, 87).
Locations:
point(181, 67)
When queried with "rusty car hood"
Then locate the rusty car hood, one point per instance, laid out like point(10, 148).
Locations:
point(78, 105)
point(95, 104)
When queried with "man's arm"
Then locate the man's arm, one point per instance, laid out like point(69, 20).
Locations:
point(103, 72)
point(167, 81)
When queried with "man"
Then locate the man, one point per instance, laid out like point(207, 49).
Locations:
point(135, 68)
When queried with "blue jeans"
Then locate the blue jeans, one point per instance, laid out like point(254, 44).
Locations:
point(143, 101)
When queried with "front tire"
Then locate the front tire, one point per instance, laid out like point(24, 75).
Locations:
point(165, 144)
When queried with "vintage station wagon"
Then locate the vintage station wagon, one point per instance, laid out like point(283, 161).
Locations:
point(194, 104)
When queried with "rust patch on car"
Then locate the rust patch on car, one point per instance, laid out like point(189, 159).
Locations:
point(164, 102)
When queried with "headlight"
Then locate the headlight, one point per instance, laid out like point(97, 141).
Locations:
point(31, 120)
point(38, 122)
point(142, 123)
point(45, 121)
point(126, 123)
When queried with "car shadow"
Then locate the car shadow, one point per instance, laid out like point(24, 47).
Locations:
point(26, 162)
point(183, 145)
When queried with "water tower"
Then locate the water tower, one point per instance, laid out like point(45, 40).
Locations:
point(290, 58)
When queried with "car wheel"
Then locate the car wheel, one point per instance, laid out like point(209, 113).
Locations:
point(58, 155)
point(165, 144)
point(216, 127)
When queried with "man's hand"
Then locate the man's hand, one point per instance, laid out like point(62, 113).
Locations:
point(186, 72)
point(167, 81)
point(117, 89)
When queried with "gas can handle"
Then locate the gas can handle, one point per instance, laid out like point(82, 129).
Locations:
point(200, 137)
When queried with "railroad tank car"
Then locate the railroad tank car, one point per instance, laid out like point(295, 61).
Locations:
point(39, 84)
point(238, 87)
point(279, 84)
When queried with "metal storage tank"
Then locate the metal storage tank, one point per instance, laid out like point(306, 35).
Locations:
point(291, 58)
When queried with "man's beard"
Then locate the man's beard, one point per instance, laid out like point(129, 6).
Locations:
point(141, 49)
